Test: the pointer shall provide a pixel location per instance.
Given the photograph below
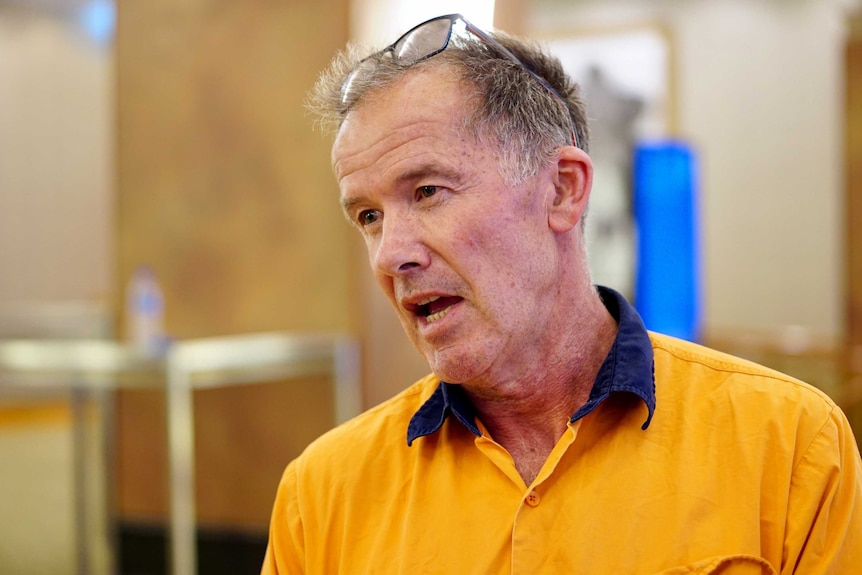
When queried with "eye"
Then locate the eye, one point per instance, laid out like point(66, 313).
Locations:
point(426, 192)
point(368, 217)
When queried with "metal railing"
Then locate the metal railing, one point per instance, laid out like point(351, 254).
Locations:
point(93, 369)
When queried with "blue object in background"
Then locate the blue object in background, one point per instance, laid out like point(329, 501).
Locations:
point(667, 279)
point(98, 18)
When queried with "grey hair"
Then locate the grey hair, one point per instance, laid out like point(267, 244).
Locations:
point(512, 110)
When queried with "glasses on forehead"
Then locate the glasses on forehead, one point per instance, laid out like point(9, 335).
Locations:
point(432, 37)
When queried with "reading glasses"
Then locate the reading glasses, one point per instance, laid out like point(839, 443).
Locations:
point(432, 37)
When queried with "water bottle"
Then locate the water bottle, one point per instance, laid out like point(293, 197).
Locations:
point(145, 312)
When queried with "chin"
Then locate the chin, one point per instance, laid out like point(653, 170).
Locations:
point(454, 367)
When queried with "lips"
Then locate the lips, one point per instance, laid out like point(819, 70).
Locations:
point(433, 308)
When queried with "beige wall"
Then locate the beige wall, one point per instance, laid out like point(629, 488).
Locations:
point(758, 92)
point(853, 171)
point(56, 257)
point(56, 162)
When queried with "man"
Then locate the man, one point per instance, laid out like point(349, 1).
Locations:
point(541, 443)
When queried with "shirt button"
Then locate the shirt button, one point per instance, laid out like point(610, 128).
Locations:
point(533, 499)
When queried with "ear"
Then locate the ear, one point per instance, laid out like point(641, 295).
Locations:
point(573, 180)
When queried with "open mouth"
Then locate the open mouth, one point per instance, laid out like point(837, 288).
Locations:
point(435, 308)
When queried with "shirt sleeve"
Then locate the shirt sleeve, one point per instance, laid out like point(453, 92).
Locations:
point(824, 520)
point(285, 553)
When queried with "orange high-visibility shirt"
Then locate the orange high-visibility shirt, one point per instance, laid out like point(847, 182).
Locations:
point(739, 469)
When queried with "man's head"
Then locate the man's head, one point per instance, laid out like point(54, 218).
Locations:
point(523, 101)
point(483, 264)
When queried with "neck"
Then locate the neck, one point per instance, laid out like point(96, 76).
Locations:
point(527, 414)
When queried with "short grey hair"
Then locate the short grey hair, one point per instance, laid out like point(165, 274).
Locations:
point(512, 110)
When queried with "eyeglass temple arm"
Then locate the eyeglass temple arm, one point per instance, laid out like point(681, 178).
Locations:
point(508, 53)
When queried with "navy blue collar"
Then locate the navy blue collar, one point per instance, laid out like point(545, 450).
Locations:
point(627, 368)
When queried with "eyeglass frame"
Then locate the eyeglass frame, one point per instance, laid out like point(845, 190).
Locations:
point(481, 35)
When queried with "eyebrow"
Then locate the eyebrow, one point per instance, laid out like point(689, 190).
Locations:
point(348, 204)
point(429, 170)
point(450, 176)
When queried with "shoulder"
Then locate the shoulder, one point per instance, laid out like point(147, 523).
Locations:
point(727, 390)
point(715, 371)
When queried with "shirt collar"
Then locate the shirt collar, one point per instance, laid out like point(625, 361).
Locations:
point(628, 368)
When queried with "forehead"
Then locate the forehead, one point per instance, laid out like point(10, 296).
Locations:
point(430, 105)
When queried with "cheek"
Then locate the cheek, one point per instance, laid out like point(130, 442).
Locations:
point(502, 257)
point(517, 240)
point(519, 263)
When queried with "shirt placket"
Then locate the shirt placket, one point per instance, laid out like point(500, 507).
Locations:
point(537, 512)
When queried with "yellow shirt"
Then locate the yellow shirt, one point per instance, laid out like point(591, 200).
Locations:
point(738, 470)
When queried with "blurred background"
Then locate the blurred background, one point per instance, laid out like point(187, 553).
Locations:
point(171, 134)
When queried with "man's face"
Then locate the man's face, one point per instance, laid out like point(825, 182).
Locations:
point(467, 261)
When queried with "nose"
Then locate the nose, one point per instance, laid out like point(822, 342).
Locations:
point(400, 248)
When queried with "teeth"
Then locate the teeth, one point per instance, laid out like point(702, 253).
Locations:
point(435, 316)
point(429, 300)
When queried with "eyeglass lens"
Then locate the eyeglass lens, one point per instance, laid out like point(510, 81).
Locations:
point(423, 41)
